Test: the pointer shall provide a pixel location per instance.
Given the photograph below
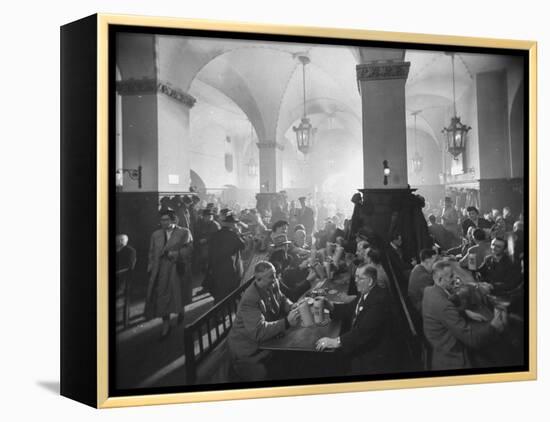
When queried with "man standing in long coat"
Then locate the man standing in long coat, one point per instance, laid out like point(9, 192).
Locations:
point(169, 254)
point(224, 259)
point(307, 218)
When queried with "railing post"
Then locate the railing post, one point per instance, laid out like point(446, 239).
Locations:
point(190, 366)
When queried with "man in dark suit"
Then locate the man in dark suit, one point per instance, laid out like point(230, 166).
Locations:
point(499, 270)
point(421, 277)
point(368, 343)
point(224, 259)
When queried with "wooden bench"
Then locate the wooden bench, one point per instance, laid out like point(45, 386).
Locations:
point(207, 357)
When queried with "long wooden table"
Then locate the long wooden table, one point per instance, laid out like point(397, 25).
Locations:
point(303, 339)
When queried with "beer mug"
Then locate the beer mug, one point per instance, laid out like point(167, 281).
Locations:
point(328, 271)
point(305, 314)
point(319, 311)
point(319, 271)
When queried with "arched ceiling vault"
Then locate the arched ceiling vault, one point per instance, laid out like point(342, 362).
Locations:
point(264, 80)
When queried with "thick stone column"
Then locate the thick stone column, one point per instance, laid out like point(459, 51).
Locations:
point(270, 166)
point(155, 127)
point(382, 87)
point(499, 186)
point(392, 208)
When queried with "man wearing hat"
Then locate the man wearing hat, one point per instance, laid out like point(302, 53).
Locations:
point(279, 256)
point(169, 252)
point(224, 259)
point(184, 218)
point(206, 227)
point(293, 270)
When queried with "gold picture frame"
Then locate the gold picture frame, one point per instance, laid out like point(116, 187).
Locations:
point(100, 216)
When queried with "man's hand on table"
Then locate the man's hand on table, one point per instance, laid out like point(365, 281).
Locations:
point(293, 317)
point(327, 343)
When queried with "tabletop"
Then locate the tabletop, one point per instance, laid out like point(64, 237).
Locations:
point(304, 338)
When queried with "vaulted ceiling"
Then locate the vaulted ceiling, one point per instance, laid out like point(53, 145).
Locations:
point(261, 82)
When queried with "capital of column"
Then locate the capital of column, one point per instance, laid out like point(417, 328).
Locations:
point(151, 86)
point(382, 70)
point(270, 145)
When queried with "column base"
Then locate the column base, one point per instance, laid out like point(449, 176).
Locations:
point(386, 212)
point(264, 201)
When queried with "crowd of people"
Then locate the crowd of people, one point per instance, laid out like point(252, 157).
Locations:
point(460, 293)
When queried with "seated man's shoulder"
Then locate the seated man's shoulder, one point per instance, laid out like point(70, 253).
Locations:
point(380, 295)
point(433, 294)
point(416, 271)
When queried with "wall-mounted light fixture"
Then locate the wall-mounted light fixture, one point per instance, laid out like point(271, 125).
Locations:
point(387, 171)
point(134, 174)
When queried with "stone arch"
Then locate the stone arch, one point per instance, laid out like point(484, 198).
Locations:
point(197, 182)
point(517, 140)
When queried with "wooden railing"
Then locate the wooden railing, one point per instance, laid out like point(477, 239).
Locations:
point(203, 335)
point(403, 319)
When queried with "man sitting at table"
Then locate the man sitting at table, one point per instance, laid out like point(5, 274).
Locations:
point(263, 313)
point(499, 270)
point(421, 277)
point(292, 272)
point(451, 335)
point(481, 249)
point(368, 343)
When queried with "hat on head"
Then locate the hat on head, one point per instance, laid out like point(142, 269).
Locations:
point(187, 200)
point(356, 198)
point(302, 197)
point(207, 211)
point(280, 240)
point(229, 218)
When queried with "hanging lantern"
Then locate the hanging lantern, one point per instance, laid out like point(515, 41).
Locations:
point(456, 132)
point(305, 131)
point(456, 137)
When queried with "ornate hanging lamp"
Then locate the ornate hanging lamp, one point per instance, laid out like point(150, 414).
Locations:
point(417, 160)
point(305, 131)
point(456, 132)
